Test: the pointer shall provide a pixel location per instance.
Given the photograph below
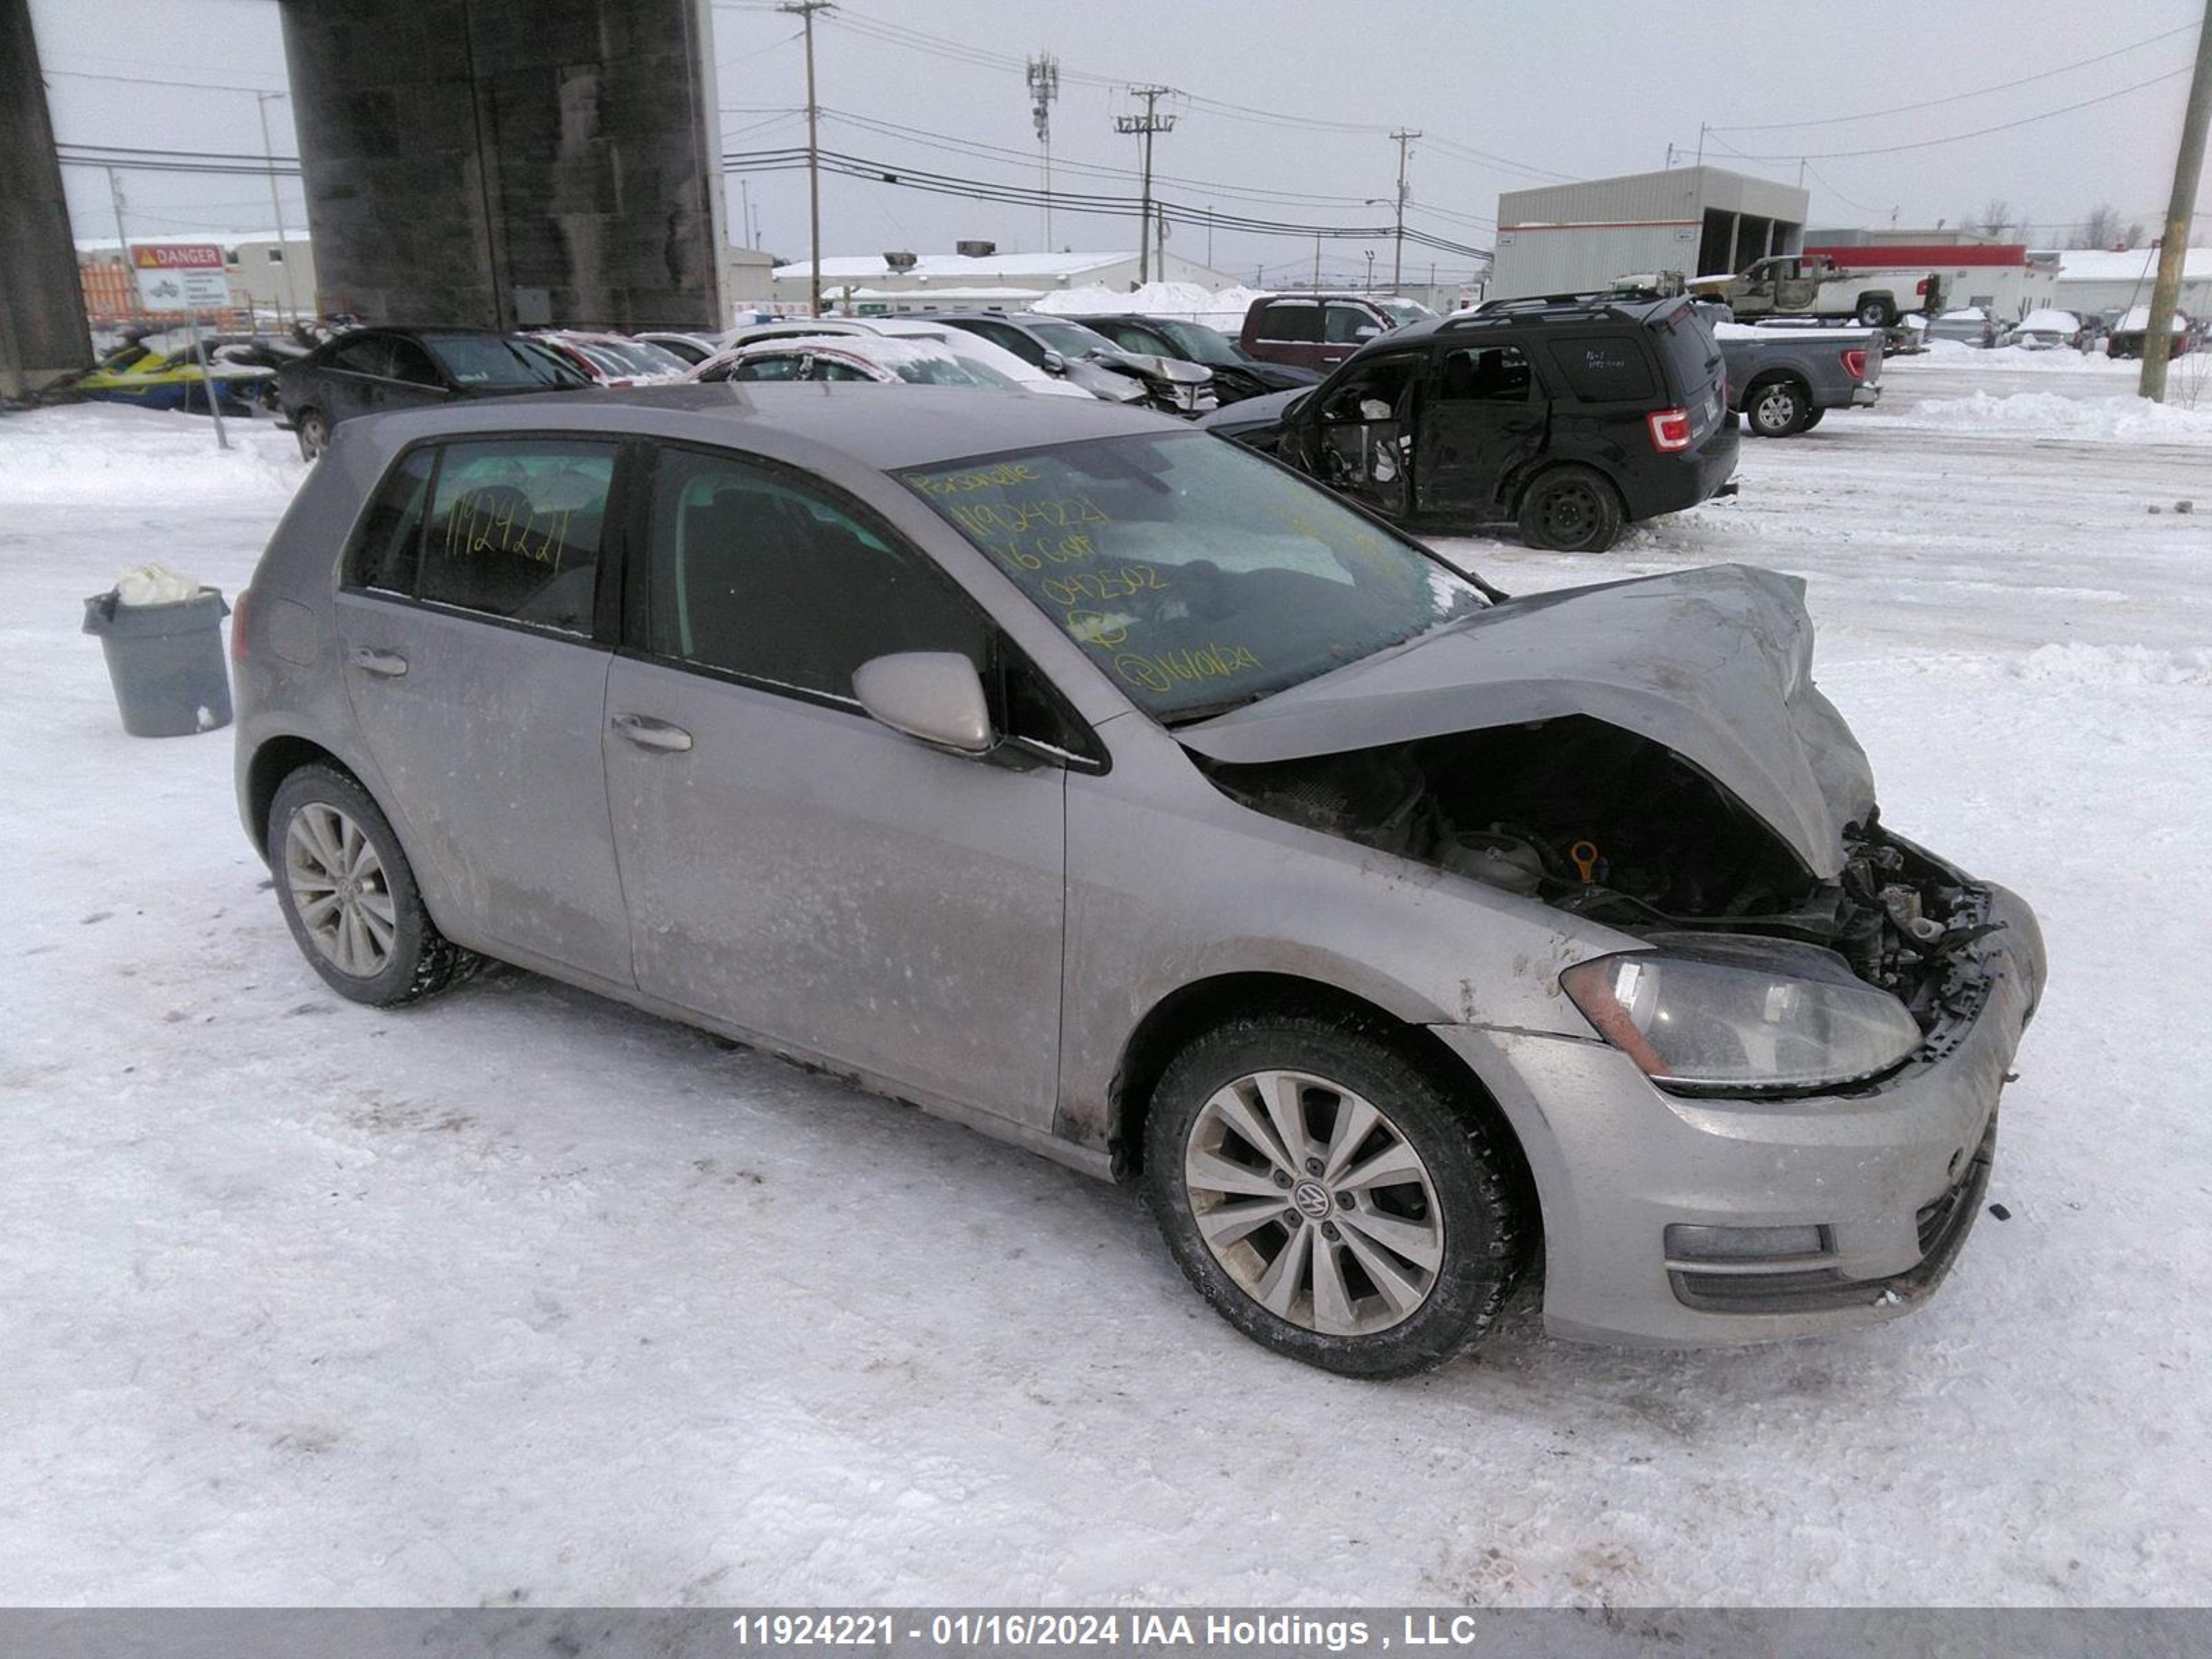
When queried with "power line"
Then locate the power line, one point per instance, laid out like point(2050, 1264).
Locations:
point(152, 81)
point(1979, 132)
point(1960, 97)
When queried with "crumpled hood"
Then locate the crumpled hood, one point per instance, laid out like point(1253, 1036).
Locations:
point(1715, 663)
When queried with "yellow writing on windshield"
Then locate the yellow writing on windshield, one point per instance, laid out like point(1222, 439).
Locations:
point(1160, 673)
point(959, 484)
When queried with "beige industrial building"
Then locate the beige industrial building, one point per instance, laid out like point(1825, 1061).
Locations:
point(1699, 220)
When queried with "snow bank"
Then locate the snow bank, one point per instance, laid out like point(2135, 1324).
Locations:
point(101, 454)
point(2048, 415)
point(1221, 308)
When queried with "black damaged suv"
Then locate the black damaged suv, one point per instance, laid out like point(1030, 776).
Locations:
point(1573, 415)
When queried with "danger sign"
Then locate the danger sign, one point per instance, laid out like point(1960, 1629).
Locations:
point(177, 255)
point(181, 277)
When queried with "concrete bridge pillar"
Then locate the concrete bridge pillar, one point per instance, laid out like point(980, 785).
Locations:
point(507, 163)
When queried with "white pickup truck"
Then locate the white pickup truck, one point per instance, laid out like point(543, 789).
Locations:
point(1815, 285)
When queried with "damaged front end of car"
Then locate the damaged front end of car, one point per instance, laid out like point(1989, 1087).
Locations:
point(1652, 756)
point(1605, 824)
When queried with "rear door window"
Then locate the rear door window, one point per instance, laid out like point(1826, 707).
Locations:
point(366, 354)
point(1291, 322)
point(515, 529)
point(1604, 369)
point(769, 366)
point(1485, 375)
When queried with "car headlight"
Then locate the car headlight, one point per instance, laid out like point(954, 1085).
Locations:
point(1728, 1013)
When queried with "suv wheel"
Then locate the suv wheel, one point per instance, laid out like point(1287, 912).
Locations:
point(1875, 312)
point(1328, 1197)
point(314, 431)
point(1571, 509)
point(349, 897)
point(1779, 409)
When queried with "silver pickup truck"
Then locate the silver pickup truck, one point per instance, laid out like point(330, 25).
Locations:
point(1784, 380)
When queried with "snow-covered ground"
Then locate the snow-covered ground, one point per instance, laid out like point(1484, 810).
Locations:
point(524, 1295)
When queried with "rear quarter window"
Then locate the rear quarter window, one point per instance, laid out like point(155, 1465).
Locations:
point(1604, 369)
point(1692, 354)
point(388, 550)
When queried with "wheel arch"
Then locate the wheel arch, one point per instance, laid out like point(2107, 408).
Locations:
point(1190, 1010)
point(1537, 471)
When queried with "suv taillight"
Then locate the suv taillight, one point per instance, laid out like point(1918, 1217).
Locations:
point(1670, 429)
point(1855, 363)
point(240, 602)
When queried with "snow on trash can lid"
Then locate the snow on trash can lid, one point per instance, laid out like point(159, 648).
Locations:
point(155, 584)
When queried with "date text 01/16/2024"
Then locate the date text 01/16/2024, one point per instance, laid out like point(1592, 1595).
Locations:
point(960, 1631)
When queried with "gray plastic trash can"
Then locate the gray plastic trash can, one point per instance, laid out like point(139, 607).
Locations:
point(166, 662)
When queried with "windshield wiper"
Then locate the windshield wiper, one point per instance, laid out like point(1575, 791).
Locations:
point(1206, 711)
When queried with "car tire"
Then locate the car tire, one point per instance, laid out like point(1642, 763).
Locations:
point(1778, 409)
point(349, 896)
point(1408, 1272)
point(1572, 509)
point(313, 428)
point(1812, 419)
point(1875, 312)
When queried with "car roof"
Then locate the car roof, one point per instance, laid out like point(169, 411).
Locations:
point(883, 427)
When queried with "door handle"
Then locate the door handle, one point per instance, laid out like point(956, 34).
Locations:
point(388, 664)
point(648, 733)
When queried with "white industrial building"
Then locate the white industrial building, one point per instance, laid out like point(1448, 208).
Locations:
point(1699, 220)
point(894, 283)
point(2094, 281)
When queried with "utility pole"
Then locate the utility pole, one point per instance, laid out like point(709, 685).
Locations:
point(1370, 269)
point(1317, 282)
point(1145, 126)
point(1398, 256)
point(804, 10)
point(2174, 246)
point(290, 297)
point(1702, 131)
point(1044, 86)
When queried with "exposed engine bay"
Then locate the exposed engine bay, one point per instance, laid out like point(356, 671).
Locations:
point(1604, 824)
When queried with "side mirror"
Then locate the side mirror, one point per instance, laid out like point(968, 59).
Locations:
point(1054, 362)
point(1369, 332)
point(934, 697)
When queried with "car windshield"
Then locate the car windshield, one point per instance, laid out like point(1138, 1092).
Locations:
point(1402, 312)
point(482, 360)
point(1069, 339)
point(1201, 345)
point(1196, 573)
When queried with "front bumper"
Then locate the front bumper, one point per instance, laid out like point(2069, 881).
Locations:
point(1868, 1194)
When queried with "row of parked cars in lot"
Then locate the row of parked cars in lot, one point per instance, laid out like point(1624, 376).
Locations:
point(1104, 764)
point(1571, 416)
point(2116, 333)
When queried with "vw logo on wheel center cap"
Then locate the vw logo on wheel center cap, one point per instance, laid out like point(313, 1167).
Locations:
point(1312, 1199)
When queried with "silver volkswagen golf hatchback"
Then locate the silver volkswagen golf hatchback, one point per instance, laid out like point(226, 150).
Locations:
point(1110, 788)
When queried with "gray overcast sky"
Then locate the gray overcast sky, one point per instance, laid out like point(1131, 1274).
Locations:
point(1574, 89)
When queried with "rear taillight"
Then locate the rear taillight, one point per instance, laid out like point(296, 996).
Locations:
point(1855, 363)
point(1670, 429)
point(240, 605)
point(1921, 286)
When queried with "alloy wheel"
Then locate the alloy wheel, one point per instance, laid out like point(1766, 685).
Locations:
point(1777, 410)
point(1314, 1202)
point(338, 886)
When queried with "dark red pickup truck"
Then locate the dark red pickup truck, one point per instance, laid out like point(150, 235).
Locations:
point(1319, 331)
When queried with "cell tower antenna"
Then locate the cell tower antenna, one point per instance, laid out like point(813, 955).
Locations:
point(1044, 86)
